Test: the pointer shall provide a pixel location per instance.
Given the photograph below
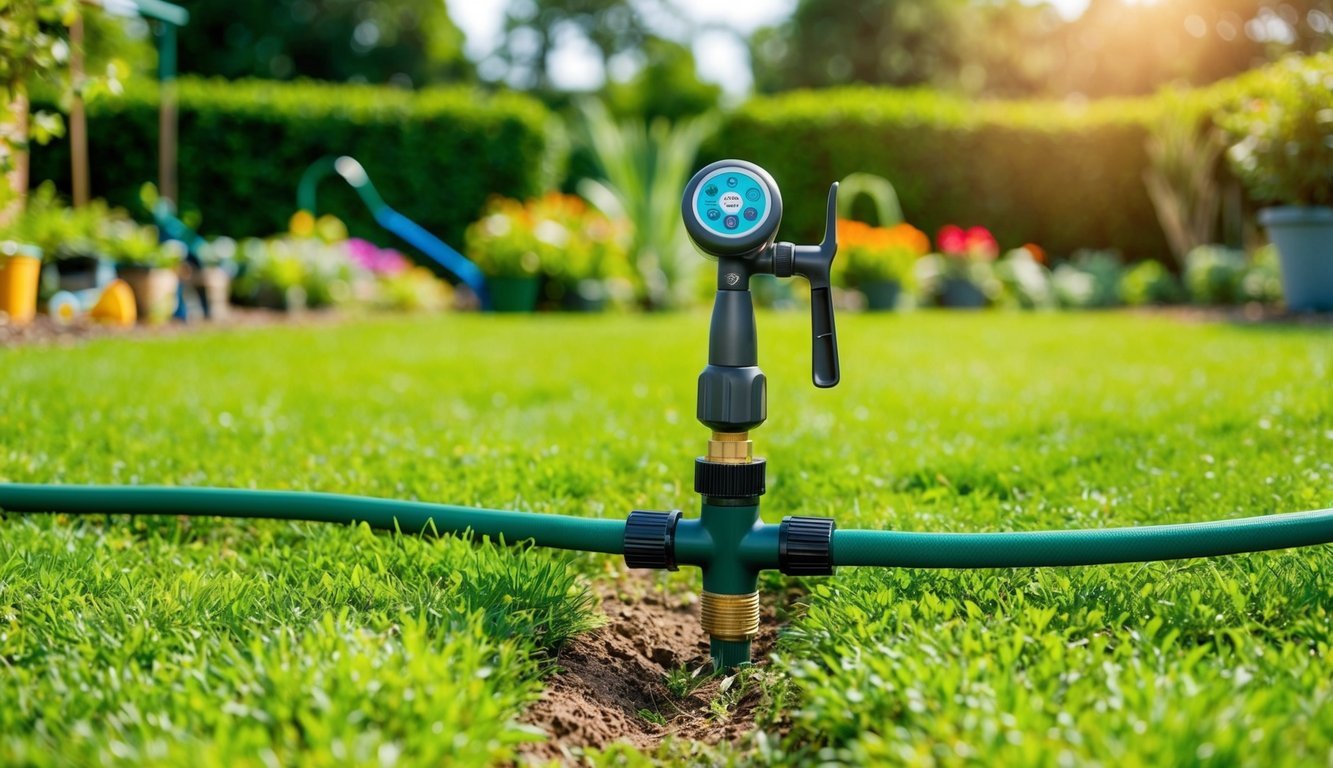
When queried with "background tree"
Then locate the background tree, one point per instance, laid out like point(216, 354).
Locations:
point(667, 85)
point(33, 49)
point(407, 42)
point(533, 28)
point(835, 42)
point(1009, 48)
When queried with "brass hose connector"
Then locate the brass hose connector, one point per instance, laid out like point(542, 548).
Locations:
point(731, 448)
point(730, 617)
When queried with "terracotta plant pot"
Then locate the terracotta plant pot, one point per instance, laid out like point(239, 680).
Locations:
point(20, 274)
point(154, 290)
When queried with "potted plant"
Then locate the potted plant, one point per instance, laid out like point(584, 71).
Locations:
point(20, 271)
point(212, 278)
point(878, 262)
point(68, 237)
point(582, 249)
point(146, 265)
point(1283, 153)
point(270, 275)
point(508, 247)
point(962, 274)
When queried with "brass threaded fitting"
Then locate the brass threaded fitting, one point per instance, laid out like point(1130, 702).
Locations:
point(730, 617)
point(731, 448)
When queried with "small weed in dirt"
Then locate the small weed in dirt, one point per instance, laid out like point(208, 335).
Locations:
point(682, 681)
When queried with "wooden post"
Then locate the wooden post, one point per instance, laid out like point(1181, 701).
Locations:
point(78, 118)
point(166, 141)
point(15, 135)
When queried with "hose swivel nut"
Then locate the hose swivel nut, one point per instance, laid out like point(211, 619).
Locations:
point(805, 546)
point(650, 539)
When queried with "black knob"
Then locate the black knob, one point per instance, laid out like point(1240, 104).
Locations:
point(805, 546)
point(650, 539)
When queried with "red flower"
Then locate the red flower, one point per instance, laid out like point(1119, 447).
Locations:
point(951, 240)
point(973, 243)
point(981, 244)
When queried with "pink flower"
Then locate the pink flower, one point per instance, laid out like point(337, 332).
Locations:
point(372, 258)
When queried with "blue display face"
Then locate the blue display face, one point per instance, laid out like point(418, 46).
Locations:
point(731, 202)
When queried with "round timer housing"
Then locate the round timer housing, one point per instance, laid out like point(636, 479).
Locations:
point(732, 208)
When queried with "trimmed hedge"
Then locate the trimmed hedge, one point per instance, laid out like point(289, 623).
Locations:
point(434, 155)
point(1060, 175)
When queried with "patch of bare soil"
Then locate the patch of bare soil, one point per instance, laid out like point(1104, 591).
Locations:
point(606, 679)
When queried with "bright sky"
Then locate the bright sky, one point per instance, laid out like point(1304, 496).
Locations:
point(720, 56)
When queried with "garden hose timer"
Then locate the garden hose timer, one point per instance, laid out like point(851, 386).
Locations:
point(732, 210)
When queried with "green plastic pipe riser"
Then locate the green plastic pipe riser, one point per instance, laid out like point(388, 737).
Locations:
point(1030, 549)
point(731, 545)
point(557, 531)
point(729, 654)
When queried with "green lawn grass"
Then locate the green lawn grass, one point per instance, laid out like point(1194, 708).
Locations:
point(230, 642)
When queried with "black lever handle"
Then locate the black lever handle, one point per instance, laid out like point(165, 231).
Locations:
point(815, 262)
point(825, 353)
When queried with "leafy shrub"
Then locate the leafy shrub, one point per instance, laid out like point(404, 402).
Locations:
point(1025, 280)
point(642, 170)
point(1214, 274)
point(1263, 279)
point(134, 245)
point(1218, 275)
point(869, 254)
point(1281, 120)
point(315, 265)
point(1038, 170)
point(95, 229)
point(555, 235)
point(1090, 280)
point(436, 155)
point(1150, 282)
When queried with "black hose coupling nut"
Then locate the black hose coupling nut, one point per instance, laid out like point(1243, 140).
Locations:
point(729, 481)
point(650, 539)
point(805, 546)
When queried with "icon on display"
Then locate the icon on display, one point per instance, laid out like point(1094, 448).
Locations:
point(751, 214)
point(752, 195)
point(731, 222)
point(714, 214)
point(732, 181)
point(711, 190)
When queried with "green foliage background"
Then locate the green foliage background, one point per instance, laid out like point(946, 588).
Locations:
point(435, 155)
point(1063, 177)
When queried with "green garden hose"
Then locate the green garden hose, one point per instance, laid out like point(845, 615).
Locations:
point(559, 531)
point(893, 549)
point(1026, 549)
